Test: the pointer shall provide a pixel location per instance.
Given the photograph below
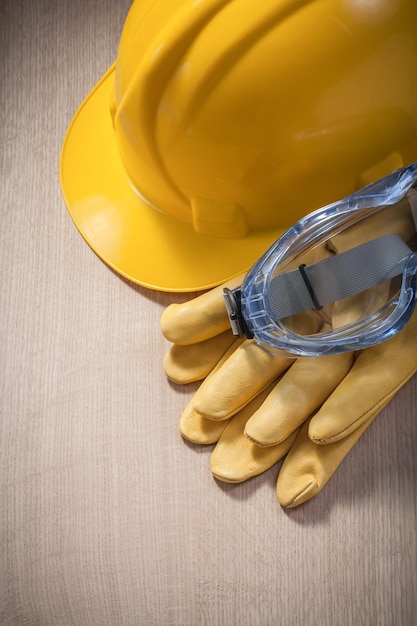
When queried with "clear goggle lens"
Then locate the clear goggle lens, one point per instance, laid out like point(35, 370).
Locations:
point(341, 279)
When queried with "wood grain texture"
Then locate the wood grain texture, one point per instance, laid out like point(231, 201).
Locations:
point(108, 517)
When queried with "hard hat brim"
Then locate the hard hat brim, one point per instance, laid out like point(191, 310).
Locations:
point(144, 245)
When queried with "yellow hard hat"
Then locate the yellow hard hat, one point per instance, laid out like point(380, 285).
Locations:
point(225, 121)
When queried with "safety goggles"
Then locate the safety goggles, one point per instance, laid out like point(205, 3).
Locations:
point(342, 278)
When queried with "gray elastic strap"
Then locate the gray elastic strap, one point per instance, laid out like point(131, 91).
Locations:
point(339, 276)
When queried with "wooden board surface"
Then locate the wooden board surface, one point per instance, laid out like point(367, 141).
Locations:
point(108, 517)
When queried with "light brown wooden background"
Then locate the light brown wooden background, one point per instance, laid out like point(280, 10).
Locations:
point(108, 517)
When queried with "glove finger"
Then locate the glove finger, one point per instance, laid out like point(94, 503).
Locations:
point(378, 373)
point(198, 429)
point(247, 372)
point(187, 364)
point(235, 458)
point(302, 389)
point(200, 318)
point(308, 467)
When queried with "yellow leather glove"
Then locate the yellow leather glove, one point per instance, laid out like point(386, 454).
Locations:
point(258, 408)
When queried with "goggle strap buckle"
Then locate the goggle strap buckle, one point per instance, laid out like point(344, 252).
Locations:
point(233, 301)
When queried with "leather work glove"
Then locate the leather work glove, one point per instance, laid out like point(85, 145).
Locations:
point(259, 408)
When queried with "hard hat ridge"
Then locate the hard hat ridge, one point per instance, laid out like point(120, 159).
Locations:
point(166, 74)
point(142, 98)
